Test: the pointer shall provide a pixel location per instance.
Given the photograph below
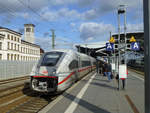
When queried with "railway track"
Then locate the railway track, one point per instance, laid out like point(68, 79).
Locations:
point(136, 71)
point(13, 80)
point(34, 104)
point(21, 99)
point(10, 99)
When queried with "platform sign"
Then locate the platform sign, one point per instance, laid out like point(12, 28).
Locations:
point(112, 40)
point(109, 46)
point(122, 71)
point(135, 46)
point(132, 39)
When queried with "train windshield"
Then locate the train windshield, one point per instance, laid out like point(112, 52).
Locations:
point(51, 58)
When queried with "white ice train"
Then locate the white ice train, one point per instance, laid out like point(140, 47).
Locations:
point(59, 69)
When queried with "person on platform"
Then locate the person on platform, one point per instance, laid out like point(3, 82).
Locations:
point(108, 69)
point(122, 79)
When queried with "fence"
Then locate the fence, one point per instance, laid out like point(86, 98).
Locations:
point(12, 69)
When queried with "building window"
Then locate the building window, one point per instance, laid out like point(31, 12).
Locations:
point(7, 56)
point(18, 57)
point(18, 39)
point(8, 45)
point(18, 47)
point(11, 37)
point(14, 57)
point(15, 38)
point(28, 29)
point(15, 47)
point(0, 56)
point(0, 45)
point(8, 36)
point(11, 46)
point(11, 56)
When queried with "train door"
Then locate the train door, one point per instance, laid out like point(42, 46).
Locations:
point(77, 68)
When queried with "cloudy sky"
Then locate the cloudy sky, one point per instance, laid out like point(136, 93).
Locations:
point(74, 21)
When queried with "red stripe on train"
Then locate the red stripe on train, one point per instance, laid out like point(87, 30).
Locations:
point(72, 74)
point(66, 78)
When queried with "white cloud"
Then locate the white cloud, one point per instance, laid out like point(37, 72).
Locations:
point(22, 5)
point(95, 8)
point(63, 13)
point(102, 7)
point(89, 38)
point(95, 30)
point(63, 2)
point(45, 43)
point(60, 43)
point(90, 14)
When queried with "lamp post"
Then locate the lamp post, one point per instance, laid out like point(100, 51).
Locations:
point(121, 10)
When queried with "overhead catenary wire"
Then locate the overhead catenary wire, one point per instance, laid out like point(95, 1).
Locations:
point(15, 14)
point(31, 9)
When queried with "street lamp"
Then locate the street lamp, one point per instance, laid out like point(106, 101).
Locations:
point(121, 10)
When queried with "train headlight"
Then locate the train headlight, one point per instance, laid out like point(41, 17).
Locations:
point(54, 72)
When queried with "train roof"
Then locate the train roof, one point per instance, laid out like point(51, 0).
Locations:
point(61, 50)
point(70, 50)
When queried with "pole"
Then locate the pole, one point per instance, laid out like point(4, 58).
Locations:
point(119, 35)
point(118, 45)
point(125, 28)
point(110, 34)
point(146, 7)
point(53, 38)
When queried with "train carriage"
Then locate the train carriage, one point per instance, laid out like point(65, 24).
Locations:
point(59, 69)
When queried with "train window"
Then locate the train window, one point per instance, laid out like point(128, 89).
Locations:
point(51, 58)
point(94, 63)
point(73, 64)
point(86, 63)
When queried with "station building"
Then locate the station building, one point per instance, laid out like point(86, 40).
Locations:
point(12, 47)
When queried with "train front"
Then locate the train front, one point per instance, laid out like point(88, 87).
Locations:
point(43, 76)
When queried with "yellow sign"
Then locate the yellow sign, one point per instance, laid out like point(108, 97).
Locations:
point(112, 40)
point(132, 39)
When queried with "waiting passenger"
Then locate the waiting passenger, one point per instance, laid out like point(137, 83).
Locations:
point(108, 69)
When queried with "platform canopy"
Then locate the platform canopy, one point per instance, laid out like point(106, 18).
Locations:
point(93, 49)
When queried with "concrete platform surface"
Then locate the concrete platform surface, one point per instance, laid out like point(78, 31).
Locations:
point(94, 94)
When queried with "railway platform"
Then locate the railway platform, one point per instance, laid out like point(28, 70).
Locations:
point(94, 94)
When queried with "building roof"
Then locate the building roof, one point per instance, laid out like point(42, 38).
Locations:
point(9, 30)
point(130, 33)
point(23, 41)
point(93, 45)
point(29, 25)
